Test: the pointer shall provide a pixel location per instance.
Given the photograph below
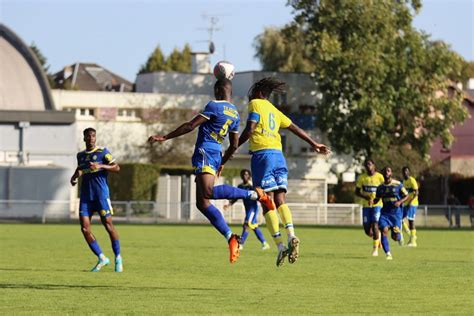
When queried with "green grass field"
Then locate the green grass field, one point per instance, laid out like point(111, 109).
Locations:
point(185, 270)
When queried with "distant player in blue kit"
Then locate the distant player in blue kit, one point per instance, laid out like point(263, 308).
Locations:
point(94, 164)
point(218, 119)
point(393, 194)
point(251, 212)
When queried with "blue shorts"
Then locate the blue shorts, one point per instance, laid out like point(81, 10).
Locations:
point(392, 220)
point(269, 170)
point(102, 207)
point(409, 211)
point(371, 214)
point(251, 212)
point(206, 161)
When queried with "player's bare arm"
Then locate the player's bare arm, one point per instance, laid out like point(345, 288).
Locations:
point(113, 167)
point(180, 130)
point(77, 174)
point(412, 196)
point(359, 193)
point(319, 148)
point(234, 144)
point(400, 202)
point(247, 132)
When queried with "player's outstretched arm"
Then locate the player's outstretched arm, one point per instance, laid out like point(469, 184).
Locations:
point(180, 130)
point(77, 174)
point(319, 148)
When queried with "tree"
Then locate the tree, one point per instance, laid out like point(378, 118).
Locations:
point(283, 50)
point(180, 61)
point(177, 61)
point(43, 62)
point(155, 62)
point(383, 83)
point(467, 71)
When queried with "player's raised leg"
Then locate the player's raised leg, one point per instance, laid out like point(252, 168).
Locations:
point(85, 222)
point(204, 187)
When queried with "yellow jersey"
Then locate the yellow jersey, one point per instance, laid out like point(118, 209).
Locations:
point(269, 121)
point(411, 185)
point(368, 186)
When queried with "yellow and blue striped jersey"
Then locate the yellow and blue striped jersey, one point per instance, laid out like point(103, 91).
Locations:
point(269, 121)
point(368, 186)
point(411, 185)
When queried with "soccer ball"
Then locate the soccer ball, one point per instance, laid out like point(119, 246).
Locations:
point(224, 69)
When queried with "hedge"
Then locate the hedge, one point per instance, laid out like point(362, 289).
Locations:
point(137, 181)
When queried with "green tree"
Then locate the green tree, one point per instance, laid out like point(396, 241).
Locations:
point(177, 61)
point(383, 83)
point(467, 71)
point(155, 62)
point(283, 50)
point(43, 62)
point(180, 60)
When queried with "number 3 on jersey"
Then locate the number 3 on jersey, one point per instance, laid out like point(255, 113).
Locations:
point(271, 121)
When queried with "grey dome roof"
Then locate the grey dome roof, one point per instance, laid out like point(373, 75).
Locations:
point(23, 83)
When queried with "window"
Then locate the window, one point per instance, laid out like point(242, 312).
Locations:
point(127, 113)
point(85, 113)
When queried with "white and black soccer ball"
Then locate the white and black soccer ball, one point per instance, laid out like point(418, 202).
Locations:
point(224, 69)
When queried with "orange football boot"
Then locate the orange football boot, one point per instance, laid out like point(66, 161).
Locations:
point(265, 199)
point(234, 248)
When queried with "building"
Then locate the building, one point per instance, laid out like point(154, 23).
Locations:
point(459, 158)
point(90, 77)
point(37, 156)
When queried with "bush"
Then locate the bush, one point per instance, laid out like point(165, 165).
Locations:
point(135, 181)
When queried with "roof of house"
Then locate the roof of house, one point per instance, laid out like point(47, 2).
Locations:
point(92, 77)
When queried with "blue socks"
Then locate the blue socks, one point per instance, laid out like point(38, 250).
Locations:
point(222, 192)
point(259, 235)
point(95, 248)
point(243, 238)
point(218, 221)
point(385, 244)
point(116, 247)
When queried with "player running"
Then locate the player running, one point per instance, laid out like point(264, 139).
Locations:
point(410, 206)
point(366, 187)
point(94, 164)
point(251, 212)
point(393, 194)
point(219, 118)
point(268, 164)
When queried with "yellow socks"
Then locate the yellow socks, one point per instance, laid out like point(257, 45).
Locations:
point(273, 225)
point(406, 229)
point(413, 233)
point(287, 219)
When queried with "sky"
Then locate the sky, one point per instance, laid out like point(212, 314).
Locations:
point(120, 34)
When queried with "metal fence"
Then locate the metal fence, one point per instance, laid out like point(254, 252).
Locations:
point(185, 212)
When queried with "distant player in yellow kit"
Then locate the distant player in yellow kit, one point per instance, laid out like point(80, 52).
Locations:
point(410, 206)
point(366, 187)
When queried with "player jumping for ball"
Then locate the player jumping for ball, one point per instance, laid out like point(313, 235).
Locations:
point(268, 164)
point(219, 118)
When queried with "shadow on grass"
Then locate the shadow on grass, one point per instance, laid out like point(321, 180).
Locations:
point(50, 287)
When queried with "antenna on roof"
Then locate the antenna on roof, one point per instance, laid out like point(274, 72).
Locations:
point(213, 20)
